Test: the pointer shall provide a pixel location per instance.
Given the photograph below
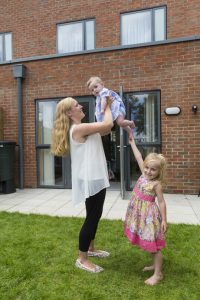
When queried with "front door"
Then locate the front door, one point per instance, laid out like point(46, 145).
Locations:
point(52, 171)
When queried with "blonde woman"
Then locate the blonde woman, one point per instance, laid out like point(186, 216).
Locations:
point(89, 170)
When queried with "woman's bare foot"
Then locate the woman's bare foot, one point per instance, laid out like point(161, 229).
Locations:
point(148, 268)
point(154, 279)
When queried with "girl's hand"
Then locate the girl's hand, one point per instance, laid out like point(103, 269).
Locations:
point(164, 226)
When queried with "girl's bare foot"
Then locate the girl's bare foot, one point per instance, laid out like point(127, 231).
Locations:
point(148, 268)
point(154, 279)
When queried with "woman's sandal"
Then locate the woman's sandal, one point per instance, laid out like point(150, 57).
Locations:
point(81, 266)
point(99, 253)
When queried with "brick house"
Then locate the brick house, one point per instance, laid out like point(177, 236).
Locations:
point(148, 51)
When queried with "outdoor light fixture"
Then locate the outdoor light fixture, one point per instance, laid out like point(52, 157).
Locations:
point(194, 108)
point(172, 111)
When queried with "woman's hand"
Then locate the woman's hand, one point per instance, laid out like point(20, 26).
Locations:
point(109, 100)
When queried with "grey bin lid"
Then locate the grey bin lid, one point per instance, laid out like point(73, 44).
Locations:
point(7, 143)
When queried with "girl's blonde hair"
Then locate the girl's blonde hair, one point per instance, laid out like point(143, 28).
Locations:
point(60, 134)
point(92, 80)
point(160, 159)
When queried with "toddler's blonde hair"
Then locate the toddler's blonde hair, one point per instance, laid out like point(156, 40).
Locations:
point(92, 80)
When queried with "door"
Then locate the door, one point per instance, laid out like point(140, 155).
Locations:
point(114, 148)
point(144, 109)
point(54, 171)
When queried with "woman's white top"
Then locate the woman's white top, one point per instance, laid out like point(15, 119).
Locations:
point(89, 168)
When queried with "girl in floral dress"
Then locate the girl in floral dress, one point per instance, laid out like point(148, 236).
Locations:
point(145, 221)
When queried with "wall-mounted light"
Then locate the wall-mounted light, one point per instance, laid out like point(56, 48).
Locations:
point(194, 108)
point(172, 111)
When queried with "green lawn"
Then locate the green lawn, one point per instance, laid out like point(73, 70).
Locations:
point(37, 256)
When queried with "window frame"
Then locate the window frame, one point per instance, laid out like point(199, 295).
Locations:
point(4, 47)
point(152, 10)
point(84, 34)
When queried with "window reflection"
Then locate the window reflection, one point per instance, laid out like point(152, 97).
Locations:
point(144, 112)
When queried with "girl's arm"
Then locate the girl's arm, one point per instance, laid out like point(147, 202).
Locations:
point(84, 129)
point(162, 206)
point(137, 154)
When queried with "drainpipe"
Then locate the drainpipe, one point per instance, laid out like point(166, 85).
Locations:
point(19, 73)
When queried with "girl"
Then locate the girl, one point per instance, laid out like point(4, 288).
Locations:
point(96, 87)
point(145, 222)
point(89, 170)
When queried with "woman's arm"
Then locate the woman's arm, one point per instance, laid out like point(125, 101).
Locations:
point(162, 206)
point(137, 154)
point(84, 129)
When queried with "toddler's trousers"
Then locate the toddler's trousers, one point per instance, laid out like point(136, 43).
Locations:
point(94, 209)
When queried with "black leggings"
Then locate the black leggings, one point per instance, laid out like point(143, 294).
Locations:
point(94, 209)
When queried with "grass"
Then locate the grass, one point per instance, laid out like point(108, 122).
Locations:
point(37, 256)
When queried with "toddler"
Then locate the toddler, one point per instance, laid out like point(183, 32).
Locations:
point(96, 87)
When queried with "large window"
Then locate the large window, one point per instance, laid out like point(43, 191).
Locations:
point(54, 171)
point(5, 46)
point(49, 167)
point(76, 36)
point(144, 109)
point(143, 26)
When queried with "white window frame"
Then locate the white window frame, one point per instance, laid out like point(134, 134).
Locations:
point(5, 46)
point(152, 23)
point(83, 39)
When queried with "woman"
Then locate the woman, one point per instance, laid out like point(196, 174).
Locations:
point(89, 170)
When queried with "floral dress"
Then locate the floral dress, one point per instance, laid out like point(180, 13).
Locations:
point(143, 219)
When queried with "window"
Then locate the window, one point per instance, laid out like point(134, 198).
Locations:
point(144, 109)
point(53, 171)
point(5, 46)
point(143, 26)
point(76, 36)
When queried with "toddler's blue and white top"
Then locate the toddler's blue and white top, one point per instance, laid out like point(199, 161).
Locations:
point(117, 106)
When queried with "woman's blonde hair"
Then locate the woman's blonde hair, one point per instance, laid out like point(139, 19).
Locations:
point(160, 159)
point(60, 134)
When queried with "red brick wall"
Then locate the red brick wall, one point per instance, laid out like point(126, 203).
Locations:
point(172, 68)
point(163, 69)
point(33, 23)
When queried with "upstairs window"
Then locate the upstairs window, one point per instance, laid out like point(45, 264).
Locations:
point(5, 46)
point(76, 36)
point(143, 26)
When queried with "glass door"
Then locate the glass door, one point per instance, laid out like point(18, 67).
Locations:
point(144, 109)
point(54, 171)
point(114, 148)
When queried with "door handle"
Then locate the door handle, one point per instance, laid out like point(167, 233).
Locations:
point(123, 146)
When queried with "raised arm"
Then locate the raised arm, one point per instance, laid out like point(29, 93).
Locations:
point(137, 154)
point(84, 129)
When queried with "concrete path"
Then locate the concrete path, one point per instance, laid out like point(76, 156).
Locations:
point(57, 202)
